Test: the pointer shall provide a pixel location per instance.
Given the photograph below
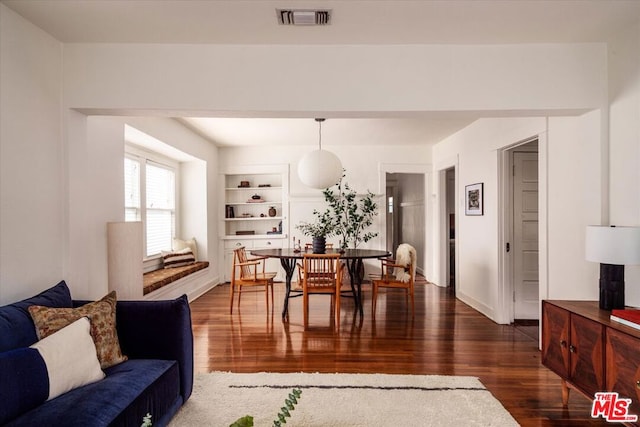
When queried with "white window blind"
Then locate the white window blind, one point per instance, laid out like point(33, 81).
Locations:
point(160, 204)
point(150, 197)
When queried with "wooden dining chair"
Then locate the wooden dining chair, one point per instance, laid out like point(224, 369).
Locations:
point(322, 274)
point(249, 272)
point(396, 273)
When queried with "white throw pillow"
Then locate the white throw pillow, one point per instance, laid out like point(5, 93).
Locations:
point(179, 244)
point(71, 358)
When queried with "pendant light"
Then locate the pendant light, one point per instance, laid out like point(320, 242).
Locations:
point(320, 168)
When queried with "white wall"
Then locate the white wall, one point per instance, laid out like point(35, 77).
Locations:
point(570, 192)
point(624, 159)
point(32, 194)
point(574, 201)
point(361, 78)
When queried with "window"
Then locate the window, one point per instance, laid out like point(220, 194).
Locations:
point(150, 197)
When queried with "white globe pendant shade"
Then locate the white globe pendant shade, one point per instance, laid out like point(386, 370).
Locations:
point(320, 169)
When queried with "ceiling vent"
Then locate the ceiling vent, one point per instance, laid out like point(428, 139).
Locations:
point(303, 17)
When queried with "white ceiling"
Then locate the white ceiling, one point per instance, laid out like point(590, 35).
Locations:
point(352, 22)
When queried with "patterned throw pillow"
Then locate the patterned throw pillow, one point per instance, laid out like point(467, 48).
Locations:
point(102, 314)
point(178, 259)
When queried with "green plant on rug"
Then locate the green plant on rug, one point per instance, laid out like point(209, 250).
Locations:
point(285, 412)
point(146, 421)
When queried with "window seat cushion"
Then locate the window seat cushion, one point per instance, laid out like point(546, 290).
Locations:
point(156, 279)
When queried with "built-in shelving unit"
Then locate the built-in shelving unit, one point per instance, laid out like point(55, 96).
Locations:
point(255, 210)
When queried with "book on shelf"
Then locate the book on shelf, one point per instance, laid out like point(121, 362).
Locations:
point(629, 317)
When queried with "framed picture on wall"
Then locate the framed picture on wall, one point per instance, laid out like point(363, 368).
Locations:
point(474, 199)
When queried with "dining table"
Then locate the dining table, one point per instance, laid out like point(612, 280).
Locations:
point(354, 259)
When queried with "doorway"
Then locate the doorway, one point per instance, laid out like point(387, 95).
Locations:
point(522, 243)
point(449, 231)
point(405, 213)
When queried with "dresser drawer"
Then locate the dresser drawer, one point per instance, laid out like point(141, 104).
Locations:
point(235, 244)
point(267, 244)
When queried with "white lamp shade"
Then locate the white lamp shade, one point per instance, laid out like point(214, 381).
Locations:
point(613, 245)
point(320, 169)
point(124, 259)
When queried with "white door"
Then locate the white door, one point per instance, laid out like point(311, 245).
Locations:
point(525, 228)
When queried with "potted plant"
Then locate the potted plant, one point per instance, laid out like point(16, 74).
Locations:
point(324, 226)
point(352, 214)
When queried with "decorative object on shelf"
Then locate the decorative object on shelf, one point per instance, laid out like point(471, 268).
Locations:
point(255, 199)
point(474, 199)
point(229, 212)
point(612, 247)
point(264, 185)
point(629, 317)
point(296, 246)
point(272, 211)
point(319, 168)
point(244, 184)
point(245, 232)
point(352, 216)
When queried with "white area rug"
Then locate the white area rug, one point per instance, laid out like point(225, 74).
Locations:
point(342, 400)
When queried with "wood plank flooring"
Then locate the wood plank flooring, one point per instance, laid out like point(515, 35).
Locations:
point(446, 337)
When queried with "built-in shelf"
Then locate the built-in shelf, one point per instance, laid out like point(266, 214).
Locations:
point(236, 196)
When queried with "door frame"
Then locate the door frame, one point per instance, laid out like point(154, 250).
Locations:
point(506, 308)
point(441, 239)
point(418, 168)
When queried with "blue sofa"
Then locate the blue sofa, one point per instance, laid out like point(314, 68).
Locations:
point(157, 378)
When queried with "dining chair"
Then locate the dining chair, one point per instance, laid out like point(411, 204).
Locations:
point(249, 272)
point(399, 273)
point(322, 274)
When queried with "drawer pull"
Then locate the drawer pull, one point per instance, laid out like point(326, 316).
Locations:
point(572, 349)
point(269, 243)
point(563, 343)
point(637, 384)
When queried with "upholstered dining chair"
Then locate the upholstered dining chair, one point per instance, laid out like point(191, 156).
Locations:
point(399, 273)
point(321, 274)
point(249, 272)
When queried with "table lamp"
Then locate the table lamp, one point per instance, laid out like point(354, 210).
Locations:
point(613, 247)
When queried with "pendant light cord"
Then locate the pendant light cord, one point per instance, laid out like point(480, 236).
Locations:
point(319, 132)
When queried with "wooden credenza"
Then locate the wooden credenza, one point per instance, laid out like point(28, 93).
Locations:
point(590, 352)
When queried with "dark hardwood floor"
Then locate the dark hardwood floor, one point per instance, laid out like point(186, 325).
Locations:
point(446, 337)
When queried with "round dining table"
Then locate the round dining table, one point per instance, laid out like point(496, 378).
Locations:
point(353, 257)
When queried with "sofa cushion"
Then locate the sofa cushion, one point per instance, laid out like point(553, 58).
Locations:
point(130, 391)
point(16, 327)
point(23, 382)
point(102, 314)
point(49, 368)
